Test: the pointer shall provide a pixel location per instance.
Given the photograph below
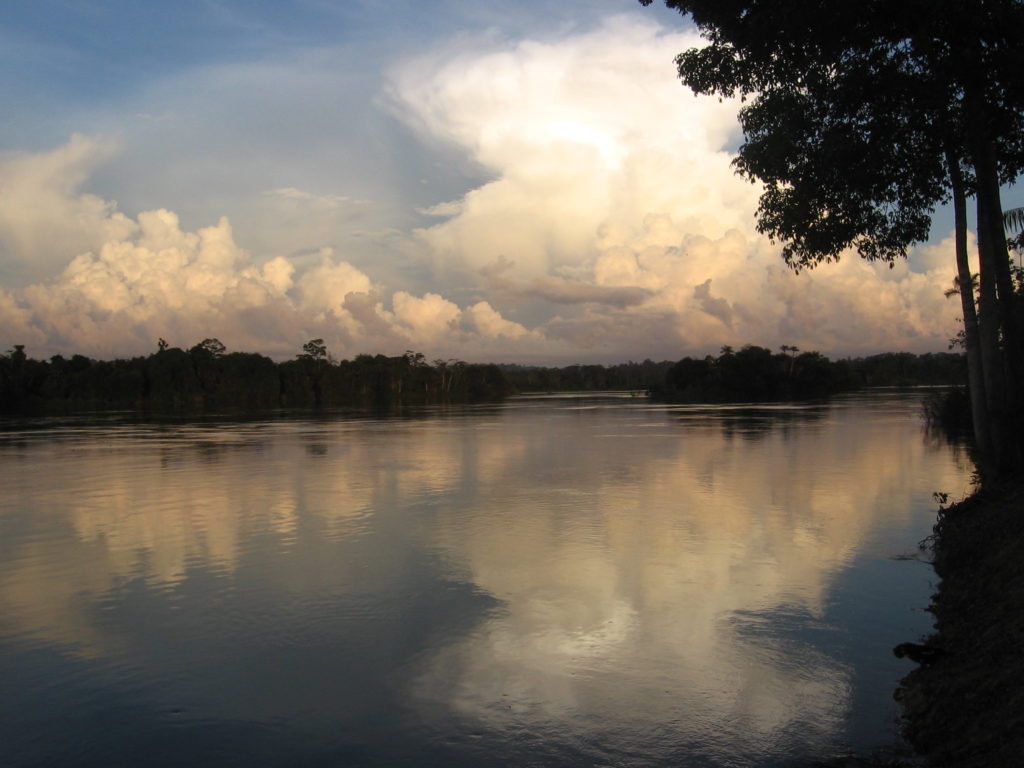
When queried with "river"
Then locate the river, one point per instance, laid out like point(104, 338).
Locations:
point(560, 580)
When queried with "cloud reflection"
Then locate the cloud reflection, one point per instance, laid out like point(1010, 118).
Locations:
point(638, 562)
point(624, 568)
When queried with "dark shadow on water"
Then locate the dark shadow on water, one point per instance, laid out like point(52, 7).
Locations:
point(754, 422)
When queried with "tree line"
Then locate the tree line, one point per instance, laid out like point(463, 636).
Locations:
point(756, 374)
point(206, 376)
point(750, 374)
point(643, 376)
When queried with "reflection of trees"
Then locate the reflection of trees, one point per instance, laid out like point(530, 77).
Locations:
point(753, 422)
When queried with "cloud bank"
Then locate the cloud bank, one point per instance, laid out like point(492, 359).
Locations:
point(161, 281)
point(609, 226)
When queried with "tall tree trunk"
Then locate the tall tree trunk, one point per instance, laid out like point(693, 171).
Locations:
point(995, 302)
point(975, 369)
point(988, 337)
point(988, 196)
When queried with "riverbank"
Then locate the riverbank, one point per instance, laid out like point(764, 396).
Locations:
point(964, 706)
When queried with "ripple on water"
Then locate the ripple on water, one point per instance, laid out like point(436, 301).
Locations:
point(551, 581)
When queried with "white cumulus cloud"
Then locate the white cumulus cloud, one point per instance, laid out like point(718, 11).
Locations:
point(609, 225)
point(44, 216)
point(155, 279)
point(612, 221)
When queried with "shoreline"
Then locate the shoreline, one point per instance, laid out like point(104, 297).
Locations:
point(964, 704)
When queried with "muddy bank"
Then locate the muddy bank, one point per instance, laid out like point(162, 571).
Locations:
point(964, 706)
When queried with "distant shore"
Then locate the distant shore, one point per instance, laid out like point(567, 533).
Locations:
point(207, 378)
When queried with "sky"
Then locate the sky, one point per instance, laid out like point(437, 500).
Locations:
point(507, 181)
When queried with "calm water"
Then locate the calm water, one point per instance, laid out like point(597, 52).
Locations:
point(551, 581)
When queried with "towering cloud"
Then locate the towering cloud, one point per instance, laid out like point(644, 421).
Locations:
point(612, 198)
point(609, 225)
point(44, 217)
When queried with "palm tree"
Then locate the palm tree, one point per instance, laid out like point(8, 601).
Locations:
point(1013, 220)
point(1013, 223)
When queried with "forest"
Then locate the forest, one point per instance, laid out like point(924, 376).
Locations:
point(751, 374)
point(755, 374)
point(207, 377)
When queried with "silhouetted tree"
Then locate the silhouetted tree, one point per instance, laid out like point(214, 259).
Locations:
point(315, 349)
point(212, 346)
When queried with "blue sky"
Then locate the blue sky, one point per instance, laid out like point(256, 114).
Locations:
point(502, 181)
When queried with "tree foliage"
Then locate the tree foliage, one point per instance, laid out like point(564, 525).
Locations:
point(314, 349)
point(207, 377)
point(754, 374)
point(1013, 221)
point(634, 376)
point(849, 106)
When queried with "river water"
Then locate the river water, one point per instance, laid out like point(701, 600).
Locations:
point(549, 581)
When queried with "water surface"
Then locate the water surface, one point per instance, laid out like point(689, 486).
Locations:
point(550, 581)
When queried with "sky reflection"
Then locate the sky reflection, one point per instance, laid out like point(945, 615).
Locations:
point(622, 583)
